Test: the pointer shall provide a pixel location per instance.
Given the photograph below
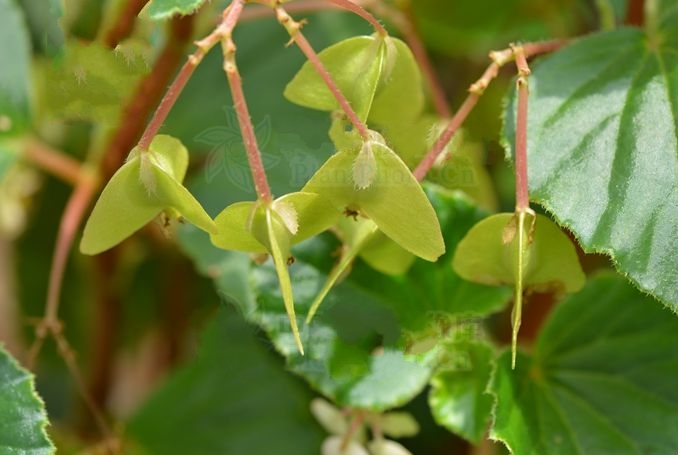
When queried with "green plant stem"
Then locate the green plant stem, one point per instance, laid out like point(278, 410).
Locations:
point(294, 30)
point(240, 104)
point(522, 196)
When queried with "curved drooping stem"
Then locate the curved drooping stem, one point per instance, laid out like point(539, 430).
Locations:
point(294, 30)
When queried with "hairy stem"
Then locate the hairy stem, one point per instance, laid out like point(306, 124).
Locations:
point(439, 146)
point(294, 30)
point(240, 104)
point(146, 96)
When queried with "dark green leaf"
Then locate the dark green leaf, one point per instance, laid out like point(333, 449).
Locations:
point(603, 147)
point(458, 398)
point(164, 9)
point(234, 398)
point(600, 380)
point(22, 413)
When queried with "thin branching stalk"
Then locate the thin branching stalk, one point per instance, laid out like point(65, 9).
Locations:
point(53, 162)
point(499, 59)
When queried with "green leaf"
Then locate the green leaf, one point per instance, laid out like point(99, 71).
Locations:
point(363, 55)
point(394, 201)
point(233, 398)
point(487, 256)
point(354, 320)
point(148, 183)
point(603, 148)
point(89, 82)
point(15, 74)
point(600, 379)
point(458, 398)
point(339, 343)
point(23, 419)
point(164, 9)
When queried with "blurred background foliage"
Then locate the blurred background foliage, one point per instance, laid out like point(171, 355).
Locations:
point(162, 330)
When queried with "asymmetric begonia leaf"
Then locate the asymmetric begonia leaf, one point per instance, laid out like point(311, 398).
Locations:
point(234, 385)
point(148, 183)
point(458, 396)
point(599, 381)
point(360, 55)
point(394, 200)
point(603, 146)
point(22, 413)
point(339, 343)
point(164, 9)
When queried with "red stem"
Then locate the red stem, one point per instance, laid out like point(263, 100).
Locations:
point(53, 161)
point(125, 23)
point(294, 29)
point(169, 99)
point(257, 168)
point(429, 160)
point(248, 134)
point(70, 221)
point(362, 12)
point(411, 35)
point(146, 96)
point(499, 58)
